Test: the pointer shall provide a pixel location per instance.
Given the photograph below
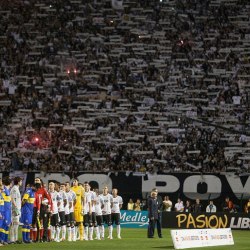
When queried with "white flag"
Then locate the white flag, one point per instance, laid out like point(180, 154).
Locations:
point(117, 4)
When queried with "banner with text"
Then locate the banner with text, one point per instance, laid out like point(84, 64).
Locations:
point(205, 220)
point(192, 238)
point(177, 185)
point(134, 219)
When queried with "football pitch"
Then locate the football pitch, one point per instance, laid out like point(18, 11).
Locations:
point(132, 239)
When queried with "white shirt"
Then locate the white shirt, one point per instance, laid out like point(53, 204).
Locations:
point(55, 197)
point(98, 205)
point(107, 200)
point(63, 197)
point(16, 196)
point(87, 201)
point(169, 205)
point(71, 195)
point(117, 201)
point(68, 200)
point(211, 209)
point(179, 206)
point(93, 198)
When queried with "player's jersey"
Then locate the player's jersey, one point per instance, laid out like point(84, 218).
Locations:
point(88, 197)
point(1, 205)
point(55, 198)
point(63, 197)
point(42, 193)
point(71, 197)
point(79, 191)
point(117, 201)
point(93, 198)
point(29, 200)
point(16, 196)
point(7, 199)
point(107, 200)
point(98, 204)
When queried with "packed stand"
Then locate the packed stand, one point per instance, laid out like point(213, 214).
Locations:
point(142, 86)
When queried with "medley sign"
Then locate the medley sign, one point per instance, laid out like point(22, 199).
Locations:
point(134, 219)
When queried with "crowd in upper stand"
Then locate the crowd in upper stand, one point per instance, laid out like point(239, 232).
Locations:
point(142, 86)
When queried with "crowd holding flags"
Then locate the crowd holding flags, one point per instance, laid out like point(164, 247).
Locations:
point(66, 211)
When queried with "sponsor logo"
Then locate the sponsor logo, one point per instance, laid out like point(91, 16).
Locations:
point(201, 221)
point(240, 223)
point(134, 219)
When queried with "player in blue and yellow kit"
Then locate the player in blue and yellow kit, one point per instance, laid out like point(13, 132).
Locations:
point(1, 213)
point(27, 212)
point(7, 209)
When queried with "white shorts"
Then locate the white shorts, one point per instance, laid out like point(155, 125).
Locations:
point(15, 219)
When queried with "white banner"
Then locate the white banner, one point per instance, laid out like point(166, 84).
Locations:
point(191, 238)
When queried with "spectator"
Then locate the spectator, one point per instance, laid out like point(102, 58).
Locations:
point(211, 208)
point(228, 206)
point(137, 205)
point(187, 207)
point(247, 207)
point(130, 205)
point(197, 207)
point(167, 204)
point(179, 207)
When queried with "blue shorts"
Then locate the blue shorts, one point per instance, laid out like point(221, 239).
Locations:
point(26, 219)
point(7, 218)
point(1, 223)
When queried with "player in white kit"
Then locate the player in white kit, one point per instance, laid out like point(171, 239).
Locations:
point(87, 211)
point(93, 226)
point(16, 208)
point(69, 212)
point(61, 210)
point(106, 211)
point(54, 222)
point(98, 203)
point(115, 211)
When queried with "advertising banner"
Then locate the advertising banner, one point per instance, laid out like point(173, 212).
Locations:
point(134, 219)
point(192, 238)
point(205, 220)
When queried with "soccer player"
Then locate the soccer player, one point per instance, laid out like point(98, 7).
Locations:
point(98, 203)
point(16, 208)
point(69, 211)
point(7, 208)
point(106, 211)
point(78, 207)
point(94, 226)
point(38, 215)
point(115, 211)
point(56, 200)
point(61, 209)
point(87, 208)
point(27, 212)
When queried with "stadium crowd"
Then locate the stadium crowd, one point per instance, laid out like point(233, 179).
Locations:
point(142, 86)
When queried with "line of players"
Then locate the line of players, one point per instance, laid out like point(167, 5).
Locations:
point(64, 210)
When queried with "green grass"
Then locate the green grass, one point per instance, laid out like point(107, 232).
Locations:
point(133, 239)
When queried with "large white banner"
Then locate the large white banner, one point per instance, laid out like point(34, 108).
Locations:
point(191, 238)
